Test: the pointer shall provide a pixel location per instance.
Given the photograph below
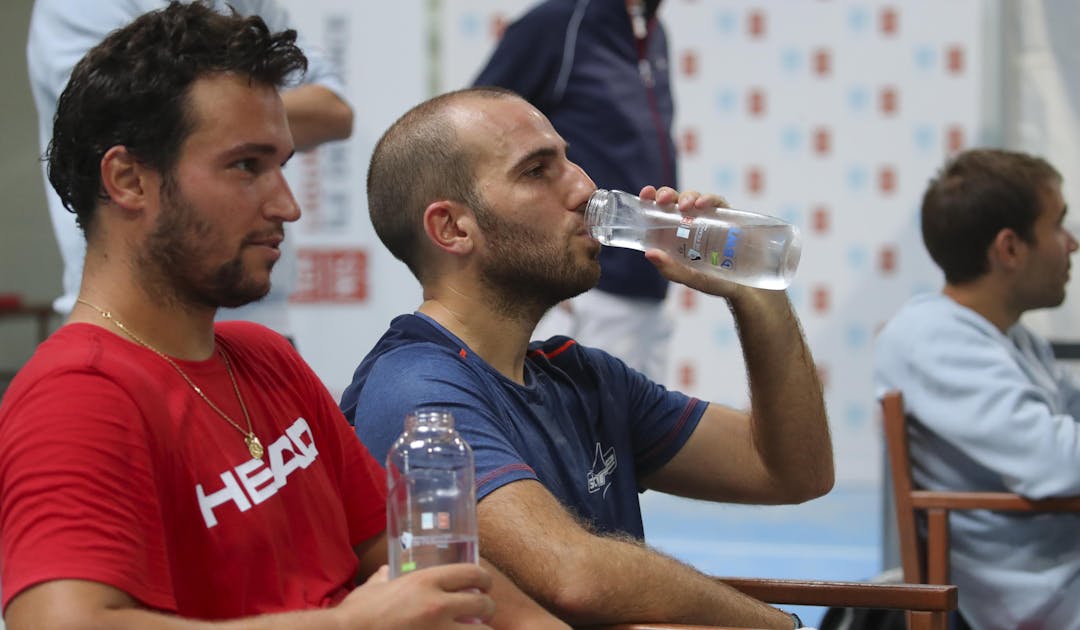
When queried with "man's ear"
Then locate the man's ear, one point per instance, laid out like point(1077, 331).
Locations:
point(126, 181)
point(1008, 250)
point(450, 226)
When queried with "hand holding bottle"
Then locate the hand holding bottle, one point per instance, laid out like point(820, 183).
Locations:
point(438, 597)
point(700, 234)
point(688, 203)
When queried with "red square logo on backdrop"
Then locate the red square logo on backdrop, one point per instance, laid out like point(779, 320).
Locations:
point(755, 180)
point(498, 25)
point(890, 21)
point(822, 141)
point(755, 24)
point(689, 299)
point(821, 300)
point(823, 375)
point(687, 374)
point(690, 64)
point(889, 100)
point(690, 141)
point(887, 180)
point(954, 59)
point(331, 275)
point(887, 259)
point(820, 220)
point(756, 102)
point(954, 139)
point(822, 62)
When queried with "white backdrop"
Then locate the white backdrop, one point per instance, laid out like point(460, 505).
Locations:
point(831, 115)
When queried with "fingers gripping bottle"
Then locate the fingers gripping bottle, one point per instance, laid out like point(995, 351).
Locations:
point(752, 249)
point(431, 498)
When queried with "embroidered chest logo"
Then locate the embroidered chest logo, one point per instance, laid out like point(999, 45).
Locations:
point(261, 479)
point(603, 465)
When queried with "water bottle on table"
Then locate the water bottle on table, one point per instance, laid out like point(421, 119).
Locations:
point(748, 248)
point(431, 498)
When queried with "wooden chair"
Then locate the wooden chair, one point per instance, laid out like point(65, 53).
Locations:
point(928, 606)
point(927, 561)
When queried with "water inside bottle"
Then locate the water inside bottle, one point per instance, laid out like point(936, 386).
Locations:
point(408, 553)
point(749, 248)
point(762, 256)
point(431, 519)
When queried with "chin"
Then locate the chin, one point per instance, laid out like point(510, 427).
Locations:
point(236, 297)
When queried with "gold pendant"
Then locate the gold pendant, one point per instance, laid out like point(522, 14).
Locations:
point(254, 447)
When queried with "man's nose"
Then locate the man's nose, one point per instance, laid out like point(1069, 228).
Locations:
point(281, 203)
point(583, 186)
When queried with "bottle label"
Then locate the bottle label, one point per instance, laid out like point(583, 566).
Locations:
point(695, 236)
point(729, 248)
point(435, 520)
point(683, 230)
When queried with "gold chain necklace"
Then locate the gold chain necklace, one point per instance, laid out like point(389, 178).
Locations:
point(255, 448)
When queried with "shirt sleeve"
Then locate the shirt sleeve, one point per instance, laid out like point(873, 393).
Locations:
point(660, 420)
point(77, 495)
point(971, 391)
point(362, 480)
point(426, 375)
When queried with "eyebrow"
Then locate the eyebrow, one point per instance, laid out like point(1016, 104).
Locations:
point(543, 152)
point(259, 148)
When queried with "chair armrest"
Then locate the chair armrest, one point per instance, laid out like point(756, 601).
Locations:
point(917, 597)
point(925, 597)
point(1001, 501)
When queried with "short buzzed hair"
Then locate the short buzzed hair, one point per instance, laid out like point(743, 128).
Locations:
point(977, 194)
point(421, 159)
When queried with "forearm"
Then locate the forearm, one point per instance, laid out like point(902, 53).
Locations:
point(608, 580)
point(790, 428)
point(138, 619)
point(514, 609)
point(316, 115)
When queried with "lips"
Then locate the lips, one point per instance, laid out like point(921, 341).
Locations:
point(272, 240)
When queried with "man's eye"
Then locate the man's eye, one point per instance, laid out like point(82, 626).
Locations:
point(248, 165)
point(536, 171)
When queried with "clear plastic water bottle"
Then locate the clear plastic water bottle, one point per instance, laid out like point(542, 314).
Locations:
point(752, 249)
point(431, 499)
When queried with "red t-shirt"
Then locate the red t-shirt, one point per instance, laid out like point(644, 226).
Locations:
point(114, 470)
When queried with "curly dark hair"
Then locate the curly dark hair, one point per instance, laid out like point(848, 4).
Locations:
point(132, 90)
point(977, 194)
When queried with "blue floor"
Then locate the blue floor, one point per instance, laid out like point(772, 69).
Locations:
point(836, 537)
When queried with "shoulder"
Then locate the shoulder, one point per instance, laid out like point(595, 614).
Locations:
point(934, 320)
point(550, 14)
point(82, 349)
point(541, 28)
point(418, 366)
point(254, 337)
point(586, 367)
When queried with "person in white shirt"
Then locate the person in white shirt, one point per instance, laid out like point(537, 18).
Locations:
point(62, 31)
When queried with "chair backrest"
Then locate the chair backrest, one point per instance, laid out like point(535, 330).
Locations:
point(912, 550)
point(927, 561)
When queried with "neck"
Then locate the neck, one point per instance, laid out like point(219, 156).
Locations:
point(175, 329)
point(499, 339)
point(981, 297)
